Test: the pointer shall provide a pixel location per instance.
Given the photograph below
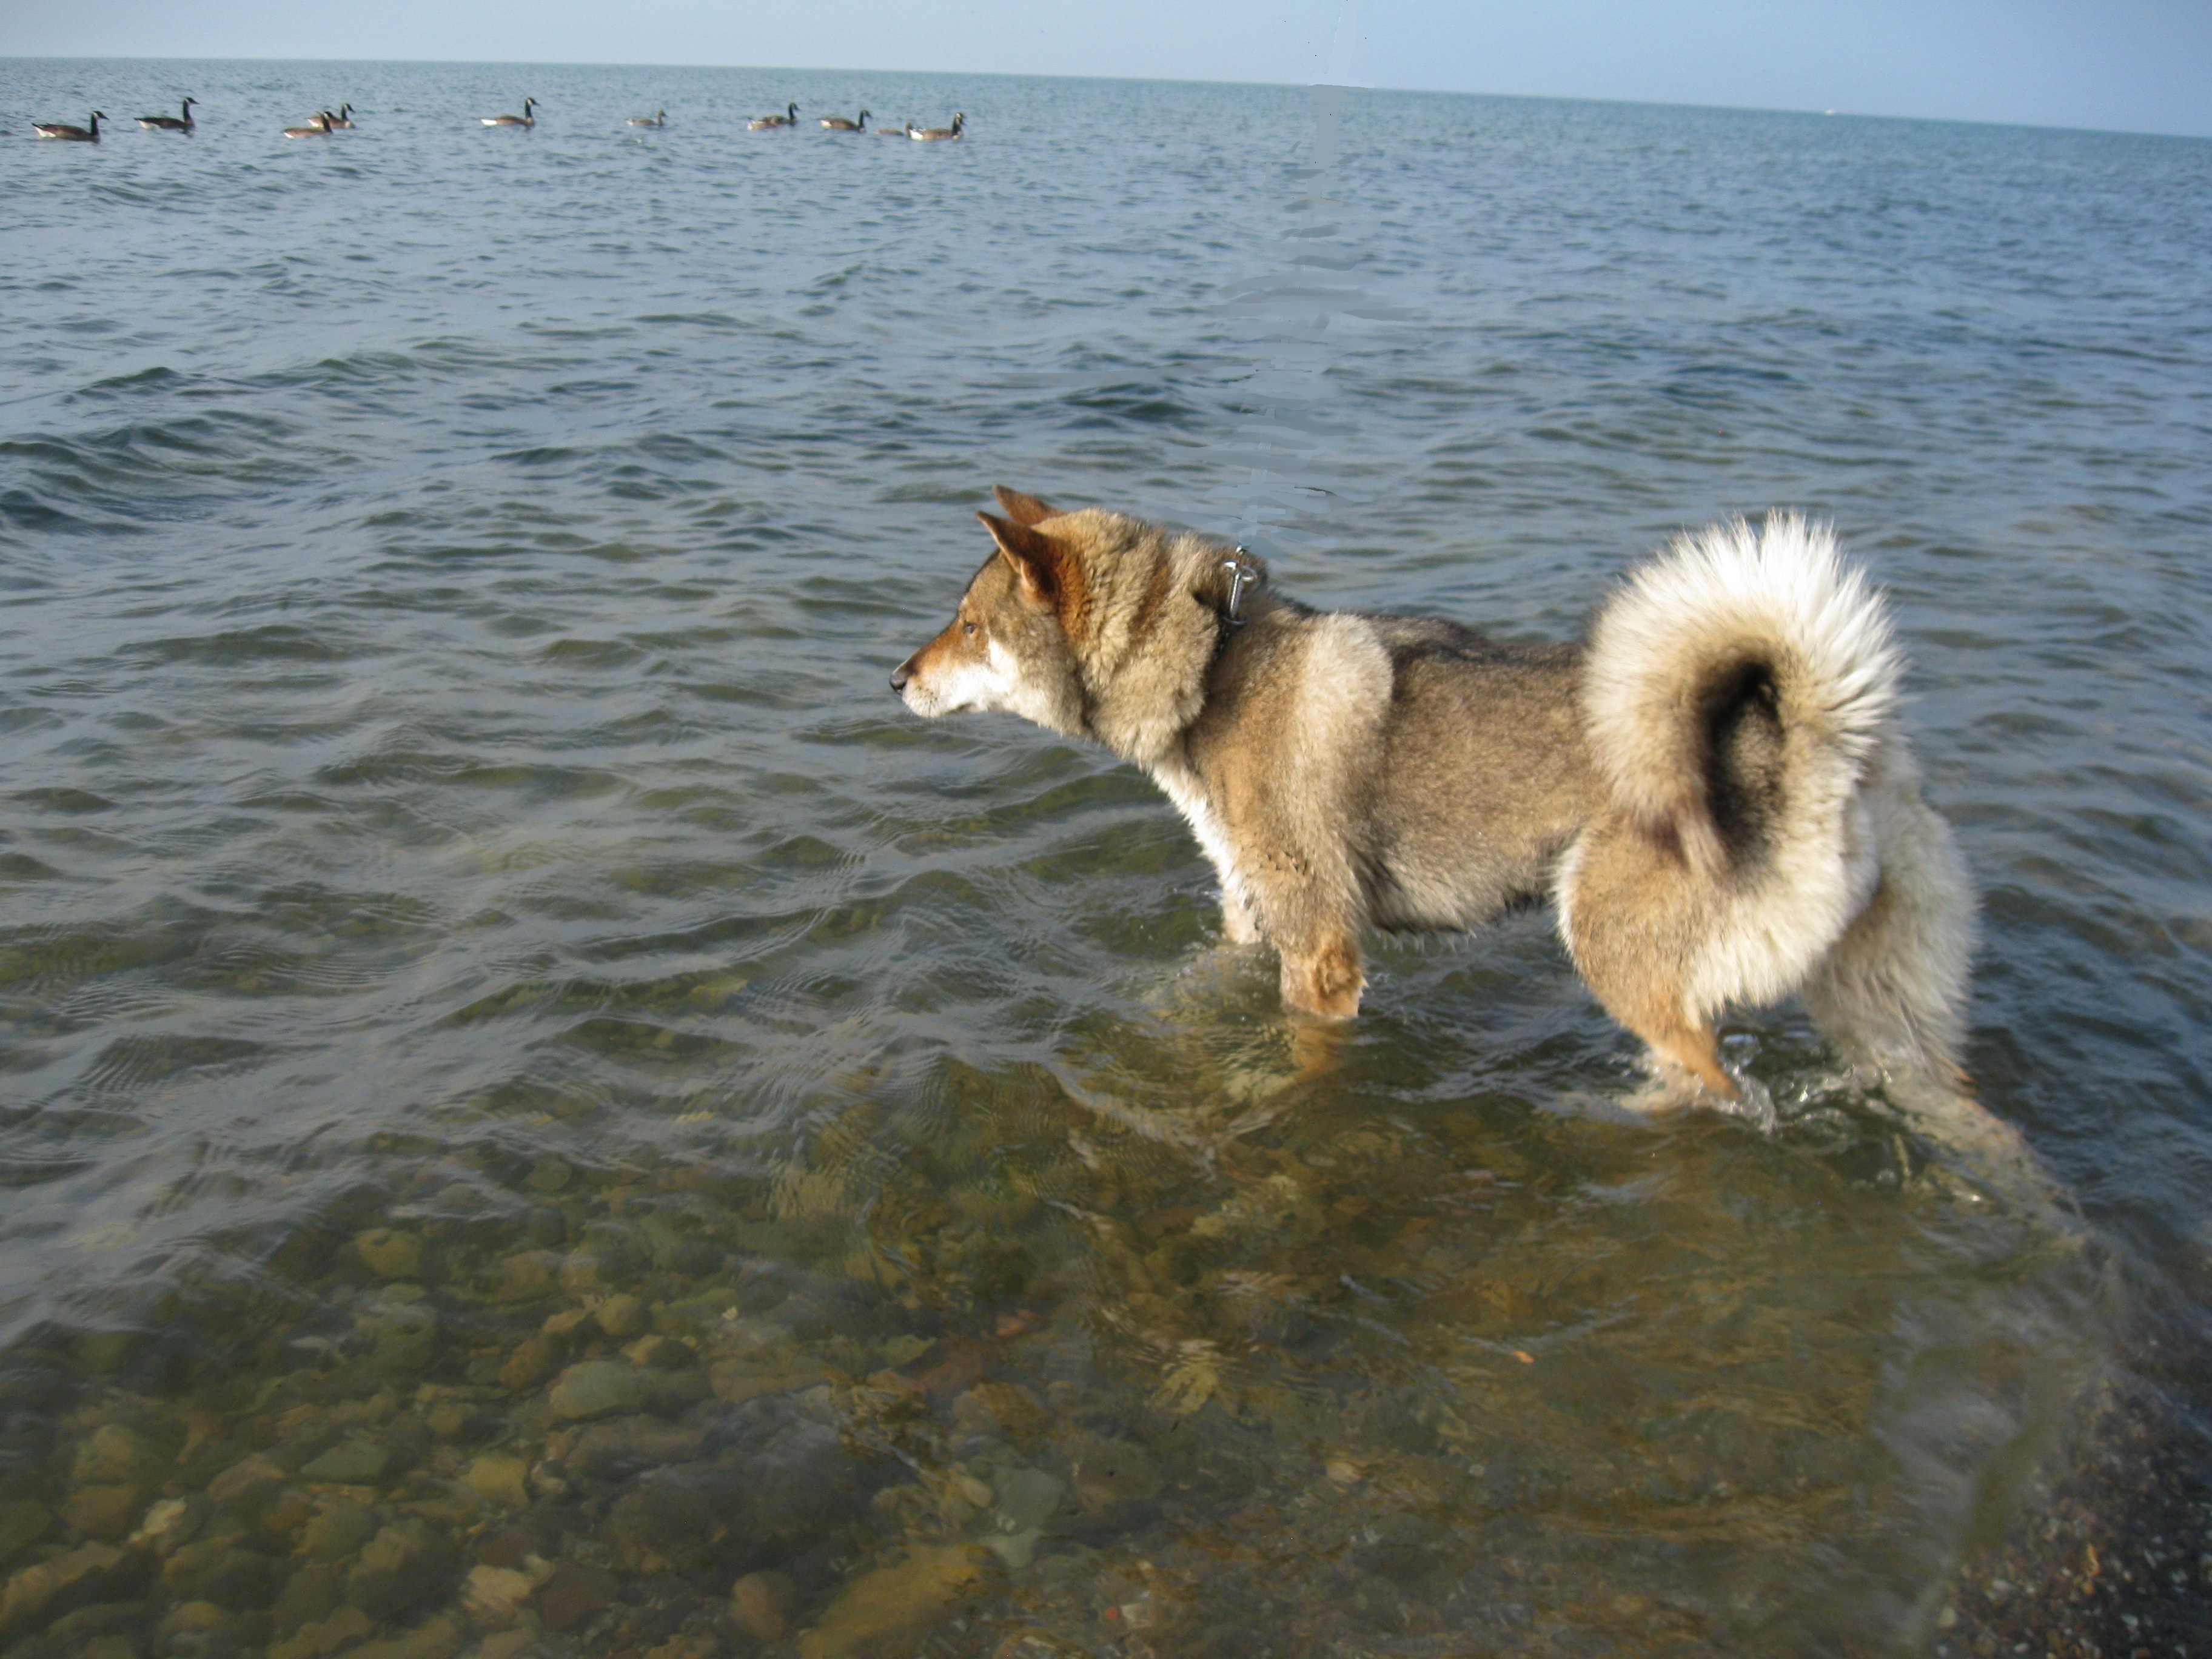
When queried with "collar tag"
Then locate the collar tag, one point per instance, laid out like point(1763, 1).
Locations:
point(1239, 574)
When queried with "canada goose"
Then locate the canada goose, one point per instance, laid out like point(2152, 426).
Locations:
point(525, 120)
point(182, 122)
point(933, 134)
point(319, 126)
point(762, 123)
point(903, 129)
point(84, 134)
point(343, 118)
point(657, 119)
point(839, 123)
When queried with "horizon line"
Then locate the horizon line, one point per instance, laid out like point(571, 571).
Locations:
point(1171, 80)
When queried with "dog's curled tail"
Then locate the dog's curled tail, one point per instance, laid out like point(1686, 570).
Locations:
point(1766, 834)
point(1737, 689)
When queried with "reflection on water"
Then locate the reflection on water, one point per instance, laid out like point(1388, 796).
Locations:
point(1036, 1374)
point(545, 1116)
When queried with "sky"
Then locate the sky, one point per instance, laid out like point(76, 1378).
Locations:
point(2128, 65)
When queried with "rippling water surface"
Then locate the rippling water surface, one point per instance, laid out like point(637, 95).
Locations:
point(534, 1093)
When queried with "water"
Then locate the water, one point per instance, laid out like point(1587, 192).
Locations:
point(473, 909)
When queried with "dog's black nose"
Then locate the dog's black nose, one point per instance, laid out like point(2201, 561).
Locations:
point(902, 674)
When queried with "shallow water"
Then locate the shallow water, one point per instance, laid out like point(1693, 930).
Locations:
point(473, 911)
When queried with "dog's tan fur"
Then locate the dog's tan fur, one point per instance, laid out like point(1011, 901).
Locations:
point(1712, 790)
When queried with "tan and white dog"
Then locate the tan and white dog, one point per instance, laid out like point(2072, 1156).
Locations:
point(1712, 789)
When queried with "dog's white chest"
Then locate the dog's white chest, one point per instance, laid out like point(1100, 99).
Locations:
point(1190, 799)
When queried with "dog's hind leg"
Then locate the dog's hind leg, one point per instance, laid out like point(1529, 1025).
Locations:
point(1650, 1004)
point(1693, 1049)
point(1891, 991)
point(1892, 995)
point(1643, 995)
point(1631, 921)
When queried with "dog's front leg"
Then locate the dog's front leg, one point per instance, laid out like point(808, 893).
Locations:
point(1304, 904)
point(1321, 980)
point(1239, 925)
point(1322, 976)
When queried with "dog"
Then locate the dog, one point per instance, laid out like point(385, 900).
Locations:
point(1712, 789)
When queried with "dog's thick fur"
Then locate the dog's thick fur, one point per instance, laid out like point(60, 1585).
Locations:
point(1713, 789)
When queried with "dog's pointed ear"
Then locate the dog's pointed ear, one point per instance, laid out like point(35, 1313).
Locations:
point(1023, 509)
point(1035, 559)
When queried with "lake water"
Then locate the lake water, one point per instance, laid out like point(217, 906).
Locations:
point(535, 1093)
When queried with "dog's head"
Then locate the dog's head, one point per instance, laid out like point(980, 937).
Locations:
point(1008, 645)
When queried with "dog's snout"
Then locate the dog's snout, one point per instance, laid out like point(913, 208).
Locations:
point(902, 674)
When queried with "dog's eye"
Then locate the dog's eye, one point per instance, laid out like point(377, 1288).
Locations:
point(967, 628)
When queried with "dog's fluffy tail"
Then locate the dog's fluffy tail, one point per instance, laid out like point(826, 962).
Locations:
point(1738, 697)
point(1745, 672)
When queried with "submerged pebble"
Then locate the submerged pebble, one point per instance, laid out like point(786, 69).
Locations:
point(103, 1512)
point(598, 1387)
point(573, 1593)
point(500, 1478)
point(391, 1254)
point(887, 1605)
point(23, 1522)
point(351, 1463)
point(339, 1528)
point(622, 1316)
point(760, 1604)
point(342, 1631)
point(496, 1594)
point(32, 1590)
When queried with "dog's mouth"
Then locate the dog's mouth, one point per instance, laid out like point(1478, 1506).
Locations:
point(938, 688)
point(916, 692)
